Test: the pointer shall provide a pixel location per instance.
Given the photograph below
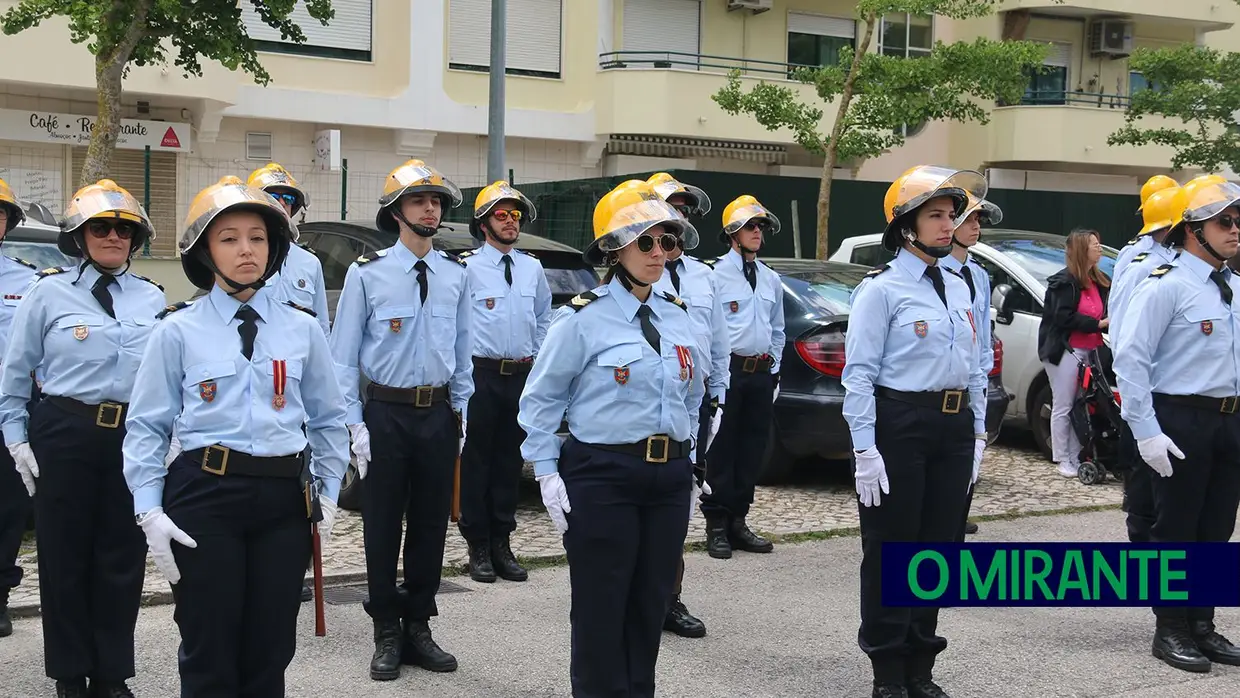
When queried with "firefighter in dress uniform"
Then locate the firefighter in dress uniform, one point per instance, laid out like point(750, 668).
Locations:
point(692, 281)
point(1176, 367)
point(85, 327)
point(511, 312)
point(752, 298)
point(16, 488)
point(246, 381)
point(622, 361)
point(1143, 242)
point(403, 323)
point(914, 405)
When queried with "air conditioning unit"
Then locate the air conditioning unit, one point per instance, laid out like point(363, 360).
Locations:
point(1110, 37)
point(754, 6)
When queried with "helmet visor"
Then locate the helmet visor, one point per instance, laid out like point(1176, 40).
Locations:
point(1210, 200)
point(926, 183)
point(213, 201)
point(629, 222)
point(498, 194)
point(99, 202)
point(697, 198)
point(753, 213)
point(409, 179)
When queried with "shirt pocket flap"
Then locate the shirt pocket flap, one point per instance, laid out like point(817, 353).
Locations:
point(911, 315)
point(392, 312)
point(620, 356)
point(766, 294)
point(291, 366)
point(699, 301)
point(482, 294)
point(1200, 314)
point(71, 321)
point(734, 297)
point(11, 299)
point(443, 311)
point(529, 292)
point(144, 320)
point(209, 371)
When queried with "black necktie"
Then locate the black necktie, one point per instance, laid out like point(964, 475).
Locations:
point(967, 273)
point(1224, 288)
point(248, 329)
point(648, 328)
point(936, 278)
point(671, 268)
point(102, 294)
point(508, 269)
point(751, 275)
point(421, 267)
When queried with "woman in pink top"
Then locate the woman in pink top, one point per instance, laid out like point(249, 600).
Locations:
point(1073, 317)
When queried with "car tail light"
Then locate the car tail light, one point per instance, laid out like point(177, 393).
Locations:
point(998, 367)
point(823, 351)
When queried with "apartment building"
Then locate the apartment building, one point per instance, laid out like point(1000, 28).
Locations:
point(594, 88)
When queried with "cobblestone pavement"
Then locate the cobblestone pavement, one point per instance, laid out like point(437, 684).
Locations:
point(1015, 480)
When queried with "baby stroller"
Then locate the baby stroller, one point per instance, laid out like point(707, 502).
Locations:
point(1096, 419)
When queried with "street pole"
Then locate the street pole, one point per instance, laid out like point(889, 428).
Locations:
point(495, 122)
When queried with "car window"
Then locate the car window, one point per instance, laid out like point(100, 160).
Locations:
point(40, 254)
point(566, 283)
point(1021, 300)
point(335, 253)
point(829, 291)
point(872, 255)
point(1042, 258)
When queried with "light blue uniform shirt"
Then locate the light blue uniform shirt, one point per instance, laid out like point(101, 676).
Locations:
point(901, 336)
point(1143, 243)
point(755, 318)
point(383, 330)
point(194, 379)
point(1122, 286)
point(15, 277)
point(597, 366)
point(509, 322)
point(980, 305)
point(697, 290)
point(82, 352)
point(300, 280)
point(1183, 340)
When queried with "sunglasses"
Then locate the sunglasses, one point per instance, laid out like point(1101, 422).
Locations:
point(667, 241)
point(685, 209)
point(1228, 221)
point(101, 229)
point(286, 198)
point(503, 215)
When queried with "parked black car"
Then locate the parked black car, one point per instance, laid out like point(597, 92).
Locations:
point(809, 420)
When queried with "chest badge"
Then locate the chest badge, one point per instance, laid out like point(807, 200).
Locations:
point(206, 391)
point(279, 376)
point(734, 306)
point(81, 332)
point(622, 375)
point(1207, 327)
point(394, 324)
point(490, 304)
point(685, 355)
point(301, 283)
point(921, 328)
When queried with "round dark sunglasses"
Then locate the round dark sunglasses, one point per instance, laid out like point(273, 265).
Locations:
point(667, 241)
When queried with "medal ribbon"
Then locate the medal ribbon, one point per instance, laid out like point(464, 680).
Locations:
point(279, 373)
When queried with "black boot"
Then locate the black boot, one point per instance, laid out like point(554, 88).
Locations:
point(681, 622)
point(306, 593)
point(110, 689)
point(1174, 645)
point(6, 621)
point(1215, 647)
point(75, 688)
point(925, 688)
point(480, 569)
point(888, 690)
point(742, 538)
point(970, 528)
point(419, 649)
point(385, 664)
point(717, 545)
point(506, 565)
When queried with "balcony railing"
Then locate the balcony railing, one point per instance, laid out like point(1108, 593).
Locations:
point(618, 60)
point(1073, 99)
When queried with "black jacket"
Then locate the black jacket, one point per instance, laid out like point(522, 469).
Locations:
point(1059, 316)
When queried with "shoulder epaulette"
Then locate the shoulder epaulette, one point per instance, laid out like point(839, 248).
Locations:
point(467, 253)
point(24, 263)
point(1162, 270)
point(172, 309)
point(49, 272)
point(1141, 257)
point(454, 258)
point(711, 262)
point(675, 301)
point(302, 308)
point(527, 254)
point(306, 247)
point(581, 300)
point(368, 258)
point(877, 270)
point(153, 282)
point(1133, 241)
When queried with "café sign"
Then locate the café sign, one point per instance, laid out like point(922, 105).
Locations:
point(74, 129)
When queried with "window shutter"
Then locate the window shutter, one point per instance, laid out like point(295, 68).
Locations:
point(661, 26)
point(128, 169)
point(350, 29)
point(533, 36)
point(821, 25)
point(1060, 55)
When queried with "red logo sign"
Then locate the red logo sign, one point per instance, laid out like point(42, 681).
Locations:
point(921, 328)
point(490, 304)
point(622, 375)
point(206, 391)
point(1207, 327)
point(734, 306)
point(170, 139)
point(394, 324)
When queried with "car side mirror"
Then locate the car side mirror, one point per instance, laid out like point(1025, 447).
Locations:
point(1001, 299)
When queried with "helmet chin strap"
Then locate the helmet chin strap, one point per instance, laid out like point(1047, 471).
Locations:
point(88, 261)
point(205, 258)
point(1199, 233)
point(423, 230)
point(742, 248)
point(627, 280)
point(935, 251)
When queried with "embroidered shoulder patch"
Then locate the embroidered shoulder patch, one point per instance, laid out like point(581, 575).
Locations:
point(582, 300)
point(711, 262)
point(877, 270)
point(675, 301)
point(1162, 270)
point(368, 258)
point(467, 254)
point(1141, 257)
point(454, 258)
point(528, 254)
point(302, 308)
point(172, 309)
point(149, 281)
point(24, 263)
point(50, 271)
point(1133, 241)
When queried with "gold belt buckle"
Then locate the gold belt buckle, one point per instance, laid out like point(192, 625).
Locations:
point(952, 400)
point(750, 365)
point(420, 392)
point(503, 367)
point(660, 438)
point(206, 460)
point(1229, 405)
point(101, 419)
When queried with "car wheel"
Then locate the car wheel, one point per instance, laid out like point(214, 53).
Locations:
point(777, 462)
point(350, 490)
point(1040, 420)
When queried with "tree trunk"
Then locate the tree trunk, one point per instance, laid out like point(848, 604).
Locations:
point(832, 154)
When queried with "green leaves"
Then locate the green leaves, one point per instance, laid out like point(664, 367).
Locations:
point(1196, 86)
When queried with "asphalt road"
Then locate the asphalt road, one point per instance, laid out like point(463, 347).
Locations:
point(782, 625)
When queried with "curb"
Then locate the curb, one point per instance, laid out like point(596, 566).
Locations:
point(533, 562)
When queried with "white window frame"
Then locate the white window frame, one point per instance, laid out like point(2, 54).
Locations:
point(268, 40)
point(478, 60)
point(820, 31)
point(906, 130)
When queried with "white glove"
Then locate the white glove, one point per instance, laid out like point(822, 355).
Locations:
point(329, 520)
point(697, 492)
point(26, 465)
point(461, 445)
point(555, 498)
point(1154, 451)
point(714, 426)
point(361, 447)
point(775, 395)
point(979, 445)
point(871, 477)
point(160, 532)
point(174, 450)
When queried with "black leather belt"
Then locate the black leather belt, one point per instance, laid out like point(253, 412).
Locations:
point(945, 401)
point(505, 367)
point(1225, 405)
point(655, 449)
point(751, 364)
point(221, 460)
point(109, 415)
point(421, 396)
